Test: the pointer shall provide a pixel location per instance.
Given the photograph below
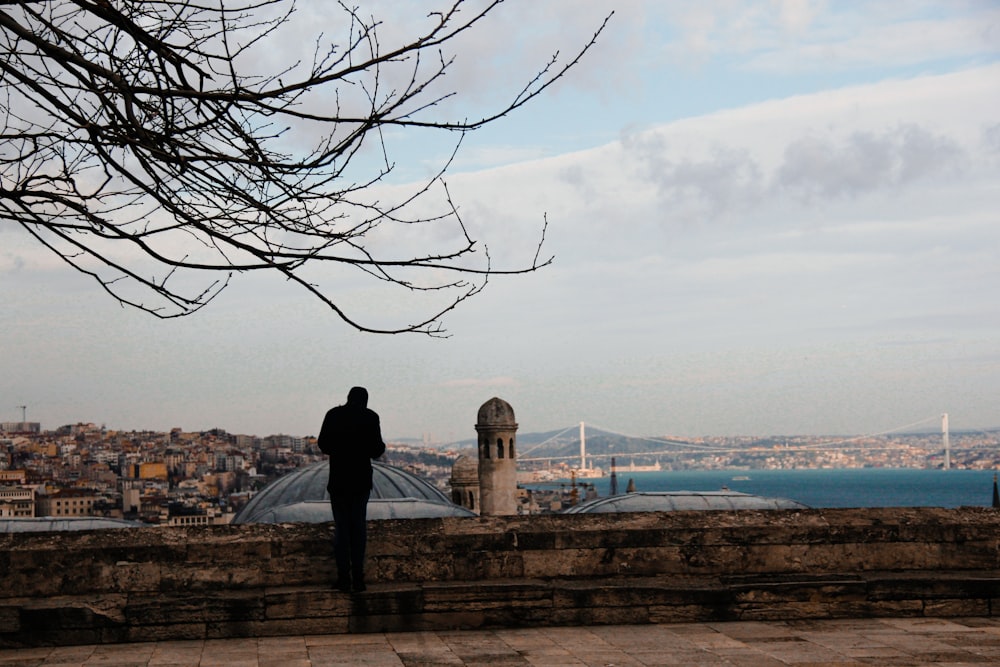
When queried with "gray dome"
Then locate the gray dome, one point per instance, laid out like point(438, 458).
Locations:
point(666, 501)
point(301, 495)
point(318, 511)
point(46, 524)
point(496, 412)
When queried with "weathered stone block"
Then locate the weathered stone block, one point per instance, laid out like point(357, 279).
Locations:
point(391, 601)
point(599, 616)
point(490, 565)
point(639, 561)
point(305, 603)
point(231, 629)
point(237, 550)
point(484, 596)
point(10, 618)
point(950, 608)
point(876, 608)
point(318, 625)
point(776, 612)
point(233, 605)
point(533, 540)
point(690, 613)
point(39, 584)
point(627, 593)
point(164, 632)
point(125, 576)
point(390, 569)
point(929, 586)
point(53, 615)
point(400, 546)
point(799, 590)
point(186, 577)
point(417, 622)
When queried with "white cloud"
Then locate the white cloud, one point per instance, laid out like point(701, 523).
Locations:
point(799, 36)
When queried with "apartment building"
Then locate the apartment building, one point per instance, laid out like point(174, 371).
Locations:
point(17, 501)
point(67, 502)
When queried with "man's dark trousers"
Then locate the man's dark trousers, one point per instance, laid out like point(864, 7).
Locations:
point(349, 537)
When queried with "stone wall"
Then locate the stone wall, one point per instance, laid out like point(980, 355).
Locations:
point(145, 584)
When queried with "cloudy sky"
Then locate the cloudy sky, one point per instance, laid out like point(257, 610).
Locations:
point(766, 217)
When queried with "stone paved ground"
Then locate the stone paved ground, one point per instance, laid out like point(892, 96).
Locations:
point(840, 643)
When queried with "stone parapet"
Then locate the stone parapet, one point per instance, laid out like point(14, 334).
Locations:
point(222, 581)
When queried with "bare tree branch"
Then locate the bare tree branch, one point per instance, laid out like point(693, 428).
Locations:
point(144, 144)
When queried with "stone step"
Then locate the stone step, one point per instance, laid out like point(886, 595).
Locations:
point(385, 607)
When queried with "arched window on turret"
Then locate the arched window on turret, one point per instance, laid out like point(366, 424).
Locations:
point(485, 445)
point(510, 453)
point(499, 448)
point(472, 501)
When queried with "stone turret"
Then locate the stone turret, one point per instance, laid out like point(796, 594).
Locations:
point(497, 458)
point(464, 483)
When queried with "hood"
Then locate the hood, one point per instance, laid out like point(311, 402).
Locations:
point(357, 397)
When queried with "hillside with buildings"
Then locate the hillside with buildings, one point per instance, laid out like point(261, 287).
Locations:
point(202, 477)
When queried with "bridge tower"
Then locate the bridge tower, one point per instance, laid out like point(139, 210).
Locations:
point(944, 437)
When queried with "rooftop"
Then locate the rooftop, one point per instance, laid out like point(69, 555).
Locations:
point(676, 501)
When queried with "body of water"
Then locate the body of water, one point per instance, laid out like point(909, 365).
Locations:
point(853, 487)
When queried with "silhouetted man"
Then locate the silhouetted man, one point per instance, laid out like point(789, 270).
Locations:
point(351, 437)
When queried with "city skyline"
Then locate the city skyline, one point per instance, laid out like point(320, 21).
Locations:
point(932, 426)
point(765, 219)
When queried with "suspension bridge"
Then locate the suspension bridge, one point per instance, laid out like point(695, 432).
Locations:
point(680, 446)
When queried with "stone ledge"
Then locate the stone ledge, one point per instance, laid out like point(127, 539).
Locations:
point(496, 603)
point(199, 582)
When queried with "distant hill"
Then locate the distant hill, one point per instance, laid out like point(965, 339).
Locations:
point(565, 443)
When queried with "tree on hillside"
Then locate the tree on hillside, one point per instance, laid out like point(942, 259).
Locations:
point(153, 146)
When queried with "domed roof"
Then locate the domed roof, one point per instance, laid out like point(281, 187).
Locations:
point(319, 511)
point(465, 470)
point(496, 412)
point(44, 524)
point(296, 492)
point(665, 501)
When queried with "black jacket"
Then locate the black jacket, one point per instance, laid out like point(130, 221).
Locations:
point(351, 436)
